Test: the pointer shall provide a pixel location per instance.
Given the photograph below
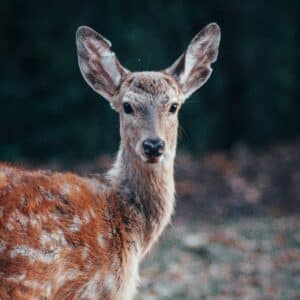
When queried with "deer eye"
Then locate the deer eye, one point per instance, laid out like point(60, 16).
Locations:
point(173, 108)
point(127, 108)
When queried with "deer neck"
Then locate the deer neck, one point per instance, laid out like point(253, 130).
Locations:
point(151, 186)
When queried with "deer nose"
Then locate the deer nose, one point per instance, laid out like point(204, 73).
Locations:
point(153, 147)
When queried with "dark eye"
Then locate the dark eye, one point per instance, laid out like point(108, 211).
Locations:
point(127, 108)
point(173, 108)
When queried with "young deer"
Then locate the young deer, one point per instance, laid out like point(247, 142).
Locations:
point(68, 237)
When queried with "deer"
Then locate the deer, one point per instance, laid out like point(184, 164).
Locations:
point(65, 236)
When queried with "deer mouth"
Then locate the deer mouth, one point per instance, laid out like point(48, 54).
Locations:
point(153, 160)
point(153, 149)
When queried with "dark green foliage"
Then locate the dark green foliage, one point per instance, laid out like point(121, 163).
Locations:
point(46, 109)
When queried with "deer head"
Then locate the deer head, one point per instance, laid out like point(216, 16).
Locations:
point(147, 102)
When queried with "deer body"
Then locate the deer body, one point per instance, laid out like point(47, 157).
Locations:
point(68, 237)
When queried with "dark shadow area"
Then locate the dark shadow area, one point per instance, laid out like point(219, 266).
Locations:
point(48, 111)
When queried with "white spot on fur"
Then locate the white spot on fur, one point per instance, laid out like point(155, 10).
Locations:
point(110, 282)
point(33, 220)
point(52, 240)
point(85, 252)
point(5, 171)
point(86, 217)
point(101, 240)
point(16, 278)
point(32, 284)
point(22, 200)
point(68, 188)
point(54, 217)
point(59, 237)
point(36, 285)
point(72, 274)
point(2, 246)
point(34, 254)
point(23, 220)
point(17, 217)
point(95, 185)
point(91, 289)
point(63, 276)
point(75, 226)
point(45, 238)
point(37, 220)
point(10, 226)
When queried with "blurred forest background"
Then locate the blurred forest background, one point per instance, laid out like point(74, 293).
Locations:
point(236, 230)
point(48, 111)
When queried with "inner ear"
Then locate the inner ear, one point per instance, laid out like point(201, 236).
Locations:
point(98, 64)
point(193, 68)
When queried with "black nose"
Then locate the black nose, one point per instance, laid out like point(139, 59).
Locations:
point(153, 147)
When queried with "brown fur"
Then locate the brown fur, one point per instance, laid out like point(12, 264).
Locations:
point(35, 204)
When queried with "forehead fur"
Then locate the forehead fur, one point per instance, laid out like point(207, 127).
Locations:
point(155, 85)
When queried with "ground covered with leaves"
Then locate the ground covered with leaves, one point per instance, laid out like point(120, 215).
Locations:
point(244, 258)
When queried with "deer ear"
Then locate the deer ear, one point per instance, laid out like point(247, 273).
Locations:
point(99, 66)
point(192, 69)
